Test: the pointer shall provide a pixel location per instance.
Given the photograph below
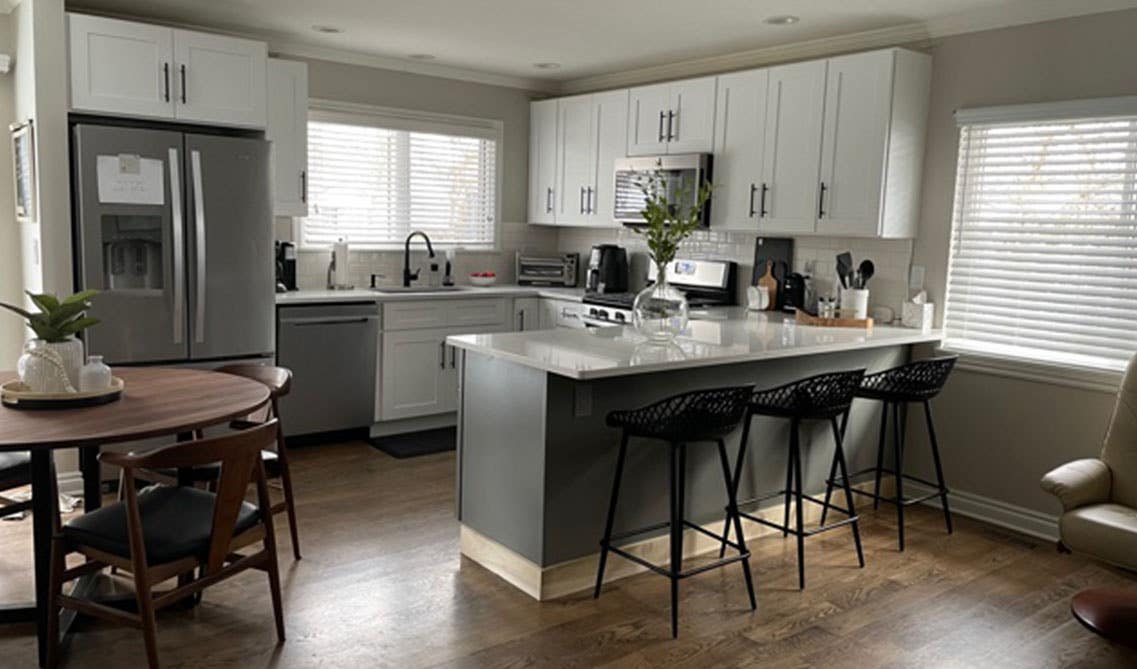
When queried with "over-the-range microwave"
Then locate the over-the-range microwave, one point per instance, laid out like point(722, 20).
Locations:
point(682, 175)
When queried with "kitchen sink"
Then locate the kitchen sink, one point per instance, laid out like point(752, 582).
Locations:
point(418, 289)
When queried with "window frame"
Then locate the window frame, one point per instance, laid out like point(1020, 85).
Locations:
point(350, 113)
point(1063, 373)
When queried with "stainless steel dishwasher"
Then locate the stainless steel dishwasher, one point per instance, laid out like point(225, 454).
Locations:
point(331, 350)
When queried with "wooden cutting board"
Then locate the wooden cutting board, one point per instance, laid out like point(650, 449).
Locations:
point(771, 284)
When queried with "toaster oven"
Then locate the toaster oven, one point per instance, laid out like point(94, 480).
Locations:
point(559, 270)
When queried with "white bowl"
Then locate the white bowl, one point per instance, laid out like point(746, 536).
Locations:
point(482, 280)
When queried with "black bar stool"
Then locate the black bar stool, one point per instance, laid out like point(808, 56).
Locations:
point(699, 416)
point(821, 397)
point(918, 381)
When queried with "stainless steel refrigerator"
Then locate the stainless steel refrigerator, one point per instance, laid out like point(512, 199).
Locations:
point(175, 229)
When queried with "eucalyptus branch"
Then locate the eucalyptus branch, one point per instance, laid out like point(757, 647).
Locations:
point(669, 223)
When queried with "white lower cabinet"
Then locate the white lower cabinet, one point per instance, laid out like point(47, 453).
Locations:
point(527, 314)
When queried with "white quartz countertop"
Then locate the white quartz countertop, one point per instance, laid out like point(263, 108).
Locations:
point(465, 292)
point(733, 336)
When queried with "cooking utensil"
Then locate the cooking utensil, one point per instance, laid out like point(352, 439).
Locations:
point(866, 270)
point(845, 268)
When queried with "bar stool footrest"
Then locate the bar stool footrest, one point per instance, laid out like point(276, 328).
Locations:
point(907, 501)
point(722, 562)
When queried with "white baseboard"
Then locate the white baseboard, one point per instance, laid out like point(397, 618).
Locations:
point(70, 483)
point(1010, 516)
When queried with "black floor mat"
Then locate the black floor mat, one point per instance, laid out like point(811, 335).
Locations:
point(415, 444)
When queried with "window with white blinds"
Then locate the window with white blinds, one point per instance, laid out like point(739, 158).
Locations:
point(375, 178)
point(1043, 262)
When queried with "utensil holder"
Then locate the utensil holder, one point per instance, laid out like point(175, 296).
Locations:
point(855, 302)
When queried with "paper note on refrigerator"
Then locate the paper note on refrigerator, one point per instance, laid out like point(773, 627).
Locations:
point(130, 179)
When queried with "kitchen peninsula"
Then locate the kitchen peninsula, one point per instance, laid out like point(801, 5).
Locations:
point(535, 459)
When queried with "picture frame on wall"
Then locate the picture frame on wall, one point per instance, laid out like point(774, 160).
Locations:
point(24, 170)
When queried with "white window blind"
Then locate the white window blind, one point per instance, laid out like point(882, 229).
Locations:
point(372, 180)
point(1043, 262)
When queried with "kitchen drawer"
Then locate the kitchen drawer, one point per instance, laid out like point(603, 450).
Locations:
point(490, 311)
point(443, 313)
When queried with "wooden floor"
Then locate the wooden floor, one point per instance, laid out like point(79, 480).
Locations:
point(381, 585)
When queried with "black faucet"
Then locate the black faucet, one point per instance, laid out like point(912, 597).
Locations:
point(409, 276)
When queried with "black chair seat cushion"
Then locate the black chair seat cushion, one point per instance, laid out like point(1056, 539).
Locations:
point(176, 522)
point(913, 382)
point(15, 469)
point(210, 472)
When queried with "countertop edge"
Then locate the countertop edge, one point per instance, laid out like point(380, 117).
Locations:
point(365, 296)
point(458, 341)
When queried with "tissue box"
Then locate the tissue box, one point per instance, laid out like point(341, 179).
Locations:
point(918, 316)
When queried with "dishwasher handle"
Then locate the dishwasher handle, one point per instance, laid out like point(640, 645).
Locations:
point(326, 321)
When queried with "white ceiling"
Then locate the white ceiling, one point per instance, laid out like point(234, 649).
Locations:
point(499, 41)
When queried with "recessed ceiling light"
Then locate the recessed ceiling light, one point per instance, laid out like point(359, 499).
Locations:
point(330, 30)
point(547, 66)
point(421, 56)
point(783, 20)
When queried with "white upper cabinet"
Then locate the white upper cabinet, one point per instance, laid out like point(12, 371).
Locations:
point(121, 67)
point(611, 145)
point(135, 69)
point(287, 129)
point(542, 161)
point(740, 143)
point(576, 141)
point(676, 117)
point(794, 112)
point(872, 147)
point(220, 79)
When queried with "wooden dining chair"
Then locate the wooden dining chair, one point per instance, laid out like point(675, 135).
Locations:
point(15, 471)
point(163, 532)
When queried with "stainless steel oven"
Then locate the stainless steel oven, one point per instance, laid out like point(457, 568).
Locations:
point(682, 176)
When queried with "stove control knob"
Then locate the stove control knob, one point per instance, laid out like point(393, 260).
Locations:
point(620, 317)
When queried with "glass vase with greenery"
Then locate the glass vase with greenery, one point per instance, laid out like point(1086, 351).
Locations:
point(660, 311)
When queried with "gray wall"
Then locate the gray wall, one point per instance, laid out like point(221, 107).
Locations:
point(11, 332)
point(1000, 435)
point(404, 90)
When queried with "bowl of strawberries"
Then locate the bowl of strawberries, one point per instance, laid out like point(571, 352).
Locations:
point(483, 278)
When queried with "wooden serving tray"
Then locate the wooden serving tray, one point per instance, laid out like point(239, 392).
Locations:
point(804, 318)
point(16, 395)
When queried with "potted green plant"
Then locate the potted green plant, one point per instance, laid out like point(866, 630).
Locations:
point(660, 312)
point(55, 324)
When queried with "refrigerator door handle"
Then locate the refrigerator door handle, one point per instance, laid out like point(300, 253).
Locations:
point(179, 251)
point(199, 235)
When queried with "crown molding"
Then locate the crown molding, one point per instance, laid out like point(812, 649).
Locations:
point(911, 34)
point(305, 50)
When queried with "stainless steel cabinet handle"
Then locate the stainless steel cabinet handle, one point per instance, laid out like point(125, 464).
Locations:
point(199, 236)
point(592, 200)
point(521, 321)
point(661, 115)
point(304, 186)
point(582, 205)
point(762, 202)
point(442, 355)
point(750, 206)
point(166, 81)
point(178, 246)
point(183, 69)
point(671, 136)
point(453, 357)
point(548, 200)
point(821, 201)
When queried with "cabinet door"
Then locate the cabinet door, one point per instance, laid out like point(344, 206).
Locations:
point(577, 148)
point(795, 106)
point(220, 79)
point(121, 67)
point(692, 124)
point(542, 160)
point(287, 129)
point(740, 135)
point(647, 119)
point(526, 314)
point(858, 96)
point(415, 363)
point(611, 145)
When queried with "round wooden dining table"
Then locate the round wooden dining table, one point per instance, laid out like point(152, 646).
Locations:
point(156, 402)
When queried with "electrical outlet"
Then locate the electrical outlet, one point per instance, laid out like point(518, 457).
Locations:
point(916, 277)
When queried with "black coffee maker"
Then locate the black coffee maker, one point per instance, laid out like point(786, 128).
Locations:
point(285, 266)
point(607, 269)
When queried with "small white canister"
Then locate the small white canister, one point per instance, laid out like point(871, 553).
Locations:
point(855, 303)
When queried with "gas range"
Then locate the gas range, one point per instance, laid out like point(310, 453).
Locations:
point(707, 283)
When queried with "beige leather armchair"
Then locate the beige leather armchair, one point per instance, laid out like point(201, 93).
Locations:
point(1099, 514)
